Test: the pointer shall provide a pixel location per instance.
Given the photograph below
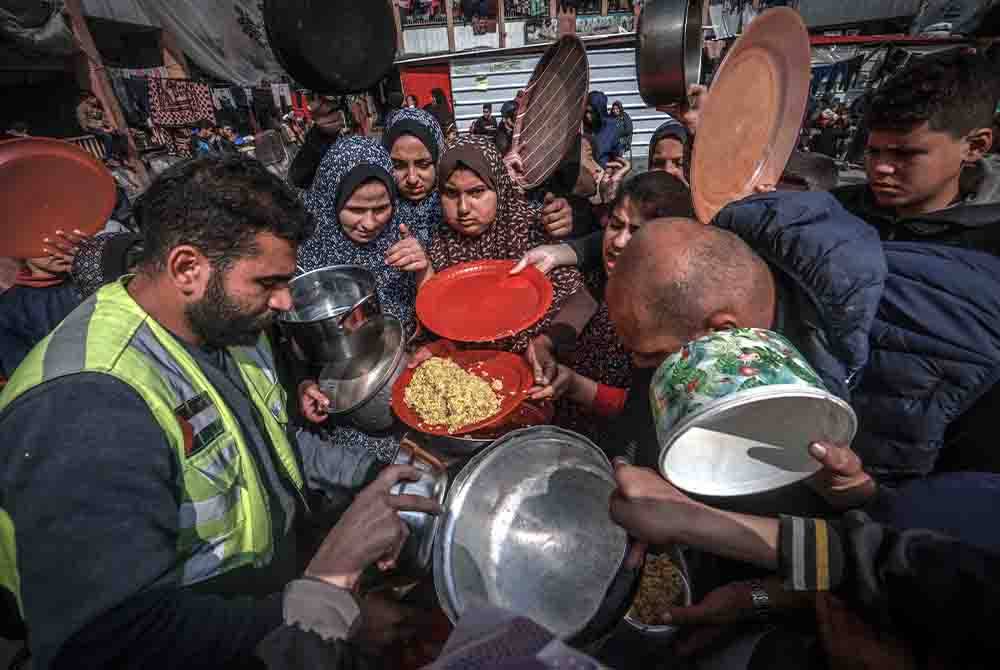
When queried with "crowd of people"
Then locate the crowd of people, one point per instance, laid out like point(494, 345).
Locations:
point(175, 492)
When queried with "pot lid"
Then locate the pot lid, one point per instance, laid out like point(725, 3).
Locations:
point(349, 384)
point(526, 528)
point(549, 119)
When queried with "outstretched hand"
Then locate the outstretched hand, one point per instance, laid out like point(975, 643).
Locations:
point(842, 482)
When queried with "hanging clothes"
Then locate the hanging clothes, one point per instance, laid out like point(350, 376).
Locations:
point(120, 87)
point(222, 98)
point(300, 104)
point(264, 109)
point(138, 93)
point(282, 94)
point(180, 102)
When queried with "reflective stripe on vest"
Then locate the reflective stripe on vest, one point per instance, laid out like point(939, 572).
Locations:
point(223, 517)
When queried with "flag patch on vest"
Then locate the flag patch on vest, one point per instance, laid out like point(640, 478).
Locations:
point(200, 422)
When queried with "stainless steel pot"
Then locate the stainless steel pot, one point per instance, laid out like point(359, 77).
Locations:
point(663, 634)
point(668, 50)
point(360, 388)
point(415, 558)
point(526, 528)
point(332, 315)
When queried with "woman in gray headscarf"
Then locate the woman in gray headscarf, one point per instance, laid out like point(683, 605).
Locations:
point(414, 141)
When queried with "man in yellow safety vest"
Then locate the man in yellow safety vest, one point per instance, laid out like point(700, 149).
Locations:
point(150, 484)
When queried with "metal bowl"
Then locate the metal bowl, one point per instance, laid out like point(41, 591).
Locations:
point(415, 558)
point(663, 633)
point(526, 528)
point(668, 50)
point(361, 388)
point(332, 315)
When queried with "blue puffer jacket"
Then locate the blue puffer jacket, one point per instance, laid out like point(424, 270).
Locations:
point(908, 332)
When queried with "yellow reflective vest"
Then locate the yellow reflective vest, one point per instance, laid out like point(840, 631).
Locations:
point(223, 516)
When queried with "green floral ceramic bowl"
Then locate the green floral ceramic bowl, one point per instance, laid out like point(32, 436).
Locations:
point(735, 412)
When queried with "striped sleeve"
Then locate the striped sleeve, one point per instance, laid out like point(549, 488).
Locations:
point(811, 554)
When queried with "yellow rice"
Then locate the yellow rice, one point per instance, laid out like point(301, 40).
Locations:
point(443, 394)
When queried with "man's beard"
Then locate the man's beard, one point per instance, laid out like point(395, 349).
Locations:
point(219, 321)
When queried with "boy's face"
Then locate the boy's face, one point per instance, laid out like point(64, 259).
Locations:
point(915, 170)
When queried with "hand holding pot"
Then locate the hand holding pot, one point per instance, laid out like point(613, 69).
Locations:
point(689, 112)
point(370, 531)
point(842, 482)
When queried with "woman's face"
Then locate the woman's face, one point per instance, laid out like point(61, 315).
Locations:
point(624, 223)
point(616, 109)
point(668, 156)
point(367, 212)
point(413, 168)
point(411, 102)
point(470, 206)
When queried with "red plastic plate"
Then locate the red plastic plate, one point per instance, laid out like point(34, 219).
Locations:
point(512, 370)
point(48, 185)
point(481, 302)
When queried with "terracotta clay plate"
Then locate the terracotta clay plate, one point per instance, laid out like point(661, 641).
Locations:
point(549, 121)
point(481, 302)
point(48, 185)
point(512, 370)
point(751, 119)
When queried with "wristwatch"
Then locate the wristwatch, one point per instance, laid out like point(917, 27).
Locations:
point(761, 601)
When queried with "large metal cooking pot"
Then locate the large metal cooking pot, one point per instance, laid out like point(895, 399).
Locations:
point(526, 528)
point(335, 46)
point(360, 388)
point(332, 315)
point(668, 50)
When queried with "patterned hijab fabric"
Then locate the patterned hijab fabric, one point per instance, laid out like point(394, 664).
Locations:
point(330, 245)
point(425, 215)
point(516, 229)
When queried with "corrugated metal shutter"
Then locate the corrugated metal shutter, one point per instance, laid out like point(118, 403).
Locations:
point(495, 81)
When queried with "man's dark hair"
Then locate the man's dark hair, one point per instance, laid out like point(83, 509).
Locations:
point(954, 92)
point(816, 172)
point(488, 107)
point(218, 205)
point(657, 195)
point(439, 96)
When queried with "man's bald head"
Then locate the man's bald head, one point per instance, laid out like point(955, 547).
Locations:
point(678, 280)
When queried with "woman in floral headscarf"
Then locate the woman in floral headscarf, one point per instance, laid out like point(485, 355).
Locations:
point(488, 218)
point(354, 201)
point(414, 141)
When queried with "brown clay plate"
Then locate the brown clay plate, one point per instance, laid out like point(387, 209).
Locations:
point(751, 119)
point(48, 185)
point(548, 123)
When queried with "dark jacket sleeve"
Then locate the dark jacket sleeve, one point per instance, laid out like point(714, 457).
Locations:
point(584, 221)
point(307, 160)
point(89, 481)
point(589, 252)
point(27, 315)
point(933, 587)
point(318, 619)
